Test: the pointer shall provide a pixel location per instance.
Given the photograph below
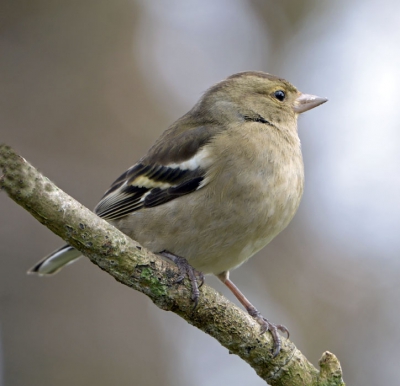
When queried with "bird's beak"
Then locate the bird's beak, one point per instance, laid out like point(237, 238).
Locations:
point(306, 102)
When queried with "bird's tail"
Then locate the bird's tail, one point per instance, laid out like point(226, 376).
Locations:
point(55, 261)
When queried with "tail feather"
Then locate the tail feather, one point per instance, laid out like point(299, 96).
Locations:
point(55, 261)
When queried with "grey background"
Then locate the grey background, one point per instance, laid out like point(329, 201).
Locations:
point(87, 86)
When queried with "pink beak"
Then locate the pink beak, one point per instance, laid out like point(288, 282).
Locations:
point(307, 102)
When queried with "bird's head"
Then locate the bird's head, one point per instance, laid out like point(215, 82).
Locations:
point(257, 96)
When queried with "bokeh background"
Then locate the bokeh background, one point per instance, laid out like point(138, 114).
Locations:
point(86, 87)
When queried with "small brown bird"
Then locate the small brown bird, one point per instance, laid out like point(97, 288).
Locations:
point(217, 186)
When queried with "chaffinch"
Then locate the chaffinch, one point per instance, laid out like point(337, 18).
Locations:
point(217, 186)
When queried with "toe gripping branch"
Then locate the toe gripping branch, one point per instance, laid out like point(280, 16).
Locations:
point(185, 269)
point(266, 325)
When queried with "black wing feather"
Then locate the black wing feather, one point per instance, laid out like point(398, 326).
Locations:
point(151, 181)
point(160, 196)
point(126, 195)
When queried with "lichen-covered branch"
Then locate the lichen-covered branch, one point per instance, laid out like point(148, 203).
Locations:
point(136, 267)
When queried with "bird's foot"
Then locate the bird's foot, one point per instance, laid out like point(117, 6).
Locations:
point(266, 325)
point(185, 269)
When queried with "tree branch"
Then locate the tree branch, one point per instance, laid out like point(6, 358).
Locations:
point(136, 267)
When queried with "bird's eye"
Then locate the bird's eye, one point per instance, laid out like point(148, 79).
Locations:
point(280, 95)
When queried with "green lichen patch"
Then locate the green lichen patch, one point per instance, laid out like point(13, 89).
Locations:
point(148, 278)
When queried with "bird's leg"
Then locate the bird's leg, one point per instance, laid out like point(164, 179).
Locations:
point(264, 323)
point(185, 269)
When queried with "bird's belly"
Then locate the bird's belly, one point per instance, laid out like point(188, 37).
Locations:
point(218, 229)
point(219, 237)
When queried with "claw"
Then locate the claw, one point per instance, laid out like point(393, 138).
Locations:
point(273, 329)
point(283, 329)
point(185, 269)
point(266, 325)
point(200, 278)
point(179, 279)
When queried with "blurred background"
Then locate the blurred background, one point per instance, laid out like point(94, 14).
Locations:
point(87, 86)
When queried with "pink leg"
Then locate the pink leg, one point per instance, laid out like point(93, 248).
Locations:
point(264, 323)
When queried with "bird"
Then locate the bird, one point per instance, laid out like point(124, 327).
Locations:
point(216, 187)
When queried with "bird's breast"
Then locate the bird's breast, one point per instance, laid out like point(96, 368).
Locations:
point(262, 185)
